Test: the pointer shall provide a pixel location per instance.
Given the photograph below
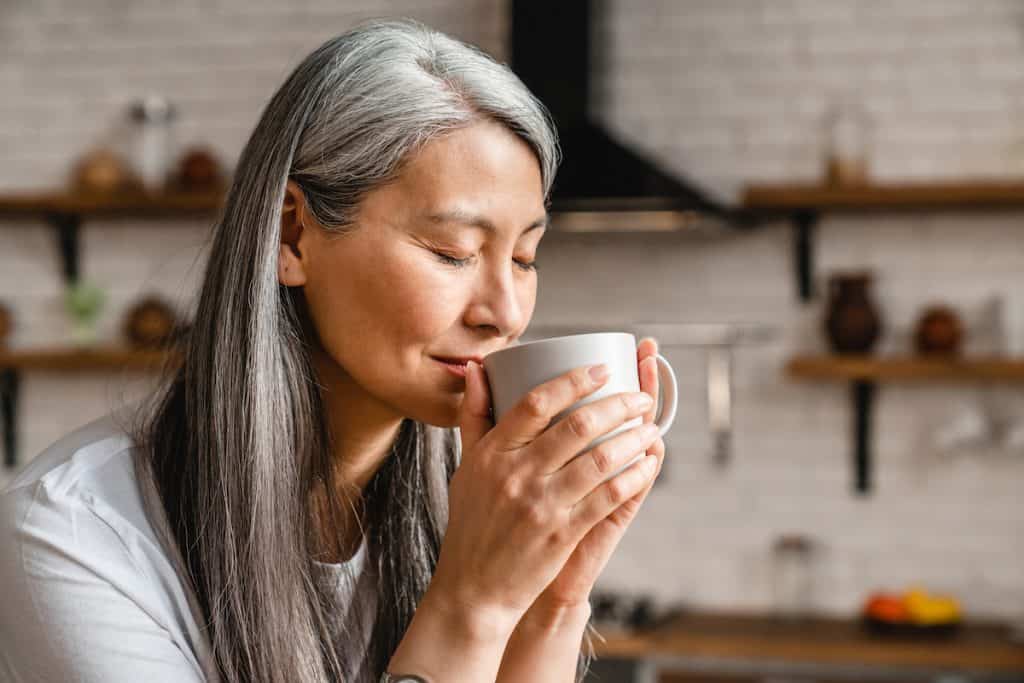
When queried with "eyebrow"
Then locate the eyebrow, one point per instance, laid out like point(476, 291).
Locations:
point(480, 222)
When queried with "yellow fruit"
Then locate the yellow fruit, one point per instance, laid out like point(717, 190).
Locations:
point(927, 610)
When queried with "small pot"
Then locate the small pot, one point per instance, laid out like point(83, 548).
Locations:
point(939, 332)
point(852, 322)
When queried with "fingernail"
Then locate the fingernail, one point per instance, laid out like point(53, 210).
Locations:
point(598, 372)
point(640, 401)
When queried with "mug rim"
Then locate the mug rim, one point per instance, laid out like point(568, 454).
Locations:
point(560, 338)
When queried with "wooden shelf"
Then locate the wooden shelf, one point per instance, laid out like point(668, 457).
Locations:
point(101, 358)
point(112, 358)
point(803, 204)
point(864, 373)
point(978, 647)
point(875, 369)
point(65, 211)
point(113, 204)
point(976, 194)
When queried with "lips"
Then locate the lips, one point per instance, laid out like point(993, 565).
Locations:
point(459, 360)
point(456, 365)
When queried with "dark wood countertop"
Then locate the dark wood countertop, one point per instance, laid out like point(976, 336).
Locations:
point(977, 646)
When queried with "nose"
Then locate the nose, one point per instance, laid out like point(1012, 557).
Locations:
point(498, 302)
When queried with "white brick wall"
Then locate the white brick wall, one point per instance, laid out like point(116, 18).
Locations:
point(728, 91)
point(733, 91)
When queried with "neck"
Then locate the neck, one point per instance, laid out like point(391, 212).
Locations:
point(362, 430)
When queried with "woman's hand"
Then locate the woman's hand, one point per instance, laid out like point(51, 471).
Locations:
point(571, 588)
point(521, 500)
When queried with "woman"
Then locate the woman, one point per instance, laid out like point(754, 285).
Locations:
point(298, 505)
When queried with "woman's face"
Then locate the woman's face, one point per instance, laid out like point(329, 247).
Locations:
point(421, 277)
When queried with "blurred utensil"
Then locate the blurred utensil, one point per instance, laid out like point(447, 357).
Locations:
point(719, 360)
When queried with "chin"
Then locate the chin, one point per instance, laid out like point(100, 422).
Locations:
point(440, 414)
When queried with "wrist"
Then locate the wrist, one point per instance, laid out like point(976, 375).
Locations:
point(546, 644)
point(441, 628)
point(472, 623)
point(548, 618)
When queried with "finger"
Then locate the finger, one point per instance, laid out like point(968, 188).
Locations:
point(584, 473)
point(600, 502)
point(648, 346)
point(577, 431)
point(475, 410)
point(657, 450)
point(534, 412)
point(648, 372)
point(624, 514)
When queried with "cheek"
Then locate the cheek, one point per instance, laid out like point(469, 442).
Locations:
point(529, 298)
point(423, 301)
point(388, 300)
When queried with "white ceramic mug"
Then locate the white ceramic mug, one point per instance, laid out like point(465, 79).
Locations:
point(515, 370)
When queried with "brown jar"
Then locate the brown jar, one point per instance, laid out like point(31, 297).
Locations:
point(852, 323)
point(939, 332)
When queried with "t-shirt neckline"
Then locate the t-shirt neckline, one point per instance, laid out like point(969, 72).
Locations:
point(354, 563)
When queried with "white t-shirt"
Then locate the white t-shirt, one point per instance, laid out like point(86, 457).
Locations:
point(87, 593)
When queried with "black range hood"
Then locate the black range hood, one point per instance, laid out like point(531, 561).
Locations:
point(602, 185)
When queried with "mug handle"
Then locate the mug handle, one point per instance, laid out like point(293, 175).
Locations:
point(668, 399)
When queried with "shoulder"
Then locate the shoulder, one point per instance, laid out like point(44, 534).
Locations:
point(79, 501)
point(77, 452)
point(89, 470)
point(80, 555)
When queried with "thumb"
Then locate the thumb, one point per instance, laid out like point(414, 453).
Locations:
point(475, 411)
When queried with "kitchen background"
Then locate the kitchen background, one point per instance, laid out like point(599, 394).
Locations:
point(727, 92)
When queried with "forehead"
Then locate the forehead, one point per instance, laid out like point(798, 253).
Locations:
point(483, 169)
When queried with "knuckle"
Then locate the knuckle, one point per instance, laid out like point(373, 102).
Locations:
point(535, 403)
point(581, 423)
point(602, 459)
point(616, 491)
point(579, 381)
point(537, 515)
point(511, 490)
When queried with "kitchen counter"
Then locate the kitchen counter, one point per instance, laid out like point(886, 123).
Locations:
point(819, 643)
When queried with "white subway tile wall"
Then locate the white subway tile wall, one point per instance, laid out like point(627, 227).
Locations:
point(725, 91)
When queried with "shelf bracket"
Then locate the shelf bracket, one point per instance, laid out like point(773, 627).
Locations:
point(67, 229)
point(863, 394)
point(9, 382)
point(804, 223)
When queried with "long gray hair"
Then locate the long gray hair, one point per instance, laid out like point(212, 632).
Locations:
point(236, 440)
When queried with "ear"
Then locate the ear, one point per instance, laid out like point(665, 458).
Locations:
point(296, 233)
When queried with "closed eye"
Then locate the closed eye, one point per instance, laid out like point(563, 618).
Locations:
point(530, 266)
